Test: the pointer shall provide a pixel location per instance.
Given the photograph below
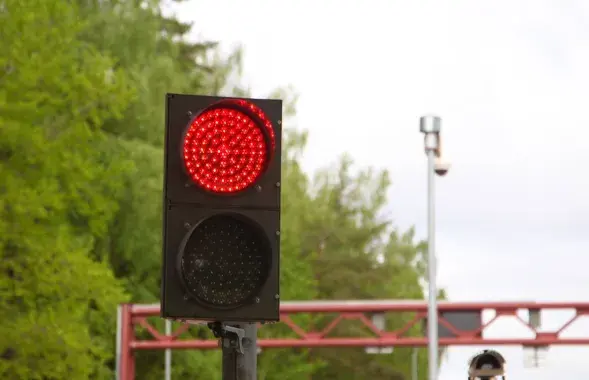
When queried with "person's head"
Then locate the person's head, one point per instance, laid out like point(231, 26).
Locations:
point(486, 366)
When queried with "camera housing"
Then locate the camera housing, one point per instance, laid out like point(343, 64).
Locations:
point(441, 167)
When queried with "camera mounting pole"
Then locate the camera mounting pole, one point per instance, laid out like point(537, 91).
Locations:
point(430, 126)
point(238, 342)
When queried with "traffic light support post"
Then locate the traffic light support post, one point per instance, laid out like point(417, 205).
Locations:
point(239, 348)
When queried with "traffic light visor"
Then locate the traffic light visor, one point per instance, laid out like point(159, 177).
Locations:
point(228, 146)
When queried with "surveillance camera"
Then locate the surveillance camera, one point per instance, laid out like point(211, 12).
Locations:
point(441, 167)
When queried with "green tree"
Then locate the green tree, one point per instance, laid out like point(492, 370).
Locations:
point(57, 295)
point(360, 255)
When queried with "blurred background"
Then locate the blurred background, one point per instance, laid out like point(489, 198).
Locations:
point(82, 89)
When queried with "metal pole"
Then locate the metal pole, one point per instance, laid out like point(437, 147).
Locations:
point(168, 353)
point(432, 304)
point(118, 343)
point(240, 363)
point(414, 362)
point(430, 126)
point(127, 363)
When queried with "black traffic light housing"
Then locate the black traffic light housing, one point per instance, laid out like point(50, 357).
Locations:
point(221, 251)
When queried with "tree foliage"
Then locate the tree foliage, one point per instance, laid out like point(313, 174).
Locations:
point(57, 292)
point(82, 89)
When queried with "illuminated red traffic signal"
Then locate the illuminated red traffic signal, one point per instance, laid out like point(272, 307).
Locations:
point(221, 208)
point(228, 146)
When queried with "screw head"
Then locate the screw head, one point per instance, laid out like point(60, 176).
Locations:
point(258, 188)
point(277, 233)
point(257, 300)
point(189, 113)
point(187, 225)
point(277, 184)
point(277, 296)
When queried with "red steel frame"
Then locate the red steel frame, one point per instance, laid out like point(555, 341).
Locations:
point(133, 316)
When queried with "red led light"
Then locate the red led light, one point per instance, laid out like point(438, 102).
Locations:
point(226, 150)
point(259, 113)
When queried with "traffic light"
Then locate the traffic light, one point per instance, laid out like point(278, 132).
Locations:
point(221, 232)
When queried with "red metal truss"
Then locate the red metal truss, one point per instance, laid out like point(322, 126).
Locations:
point(136, 316)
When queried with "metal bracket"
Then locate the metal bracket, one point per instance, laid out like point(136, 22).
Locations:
point(230, 336)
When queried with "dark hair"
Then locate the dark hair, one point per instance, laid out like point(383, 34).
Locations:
point(485, 360)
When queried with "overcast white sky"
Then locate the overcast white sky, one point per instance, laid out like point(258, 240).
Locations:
point(510, 80)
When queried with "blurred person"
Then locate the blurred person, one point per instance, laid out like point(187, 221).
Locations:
point(487, 365)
